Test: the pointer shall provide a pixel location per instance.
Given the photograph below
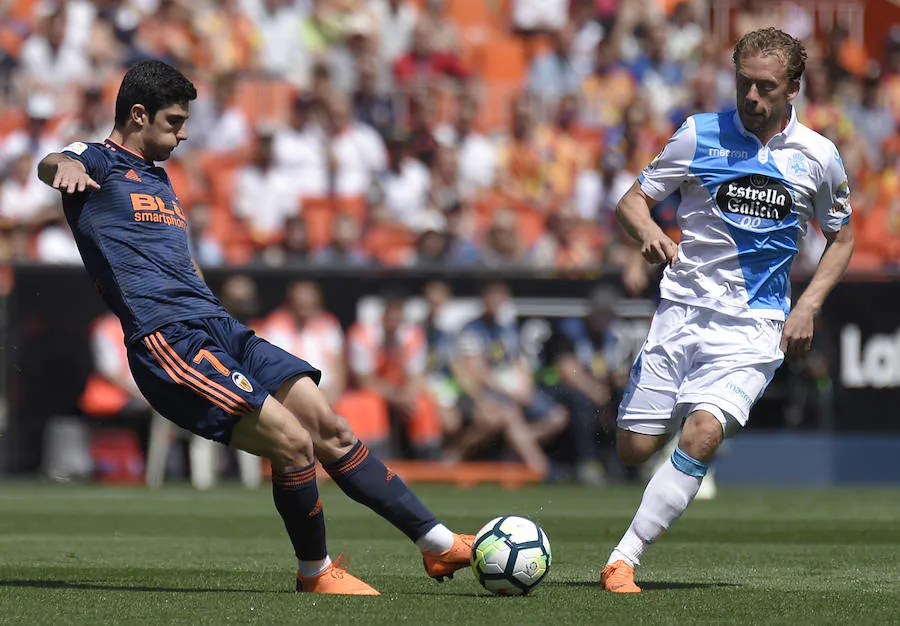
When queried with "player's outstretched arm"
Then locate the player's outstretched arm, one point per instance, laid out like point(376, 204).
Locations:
point(798, 329)
point(633, 213)
point(65, 173)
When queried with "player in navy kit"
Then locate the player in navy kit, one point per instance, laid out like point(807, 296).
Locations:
point(198, 366)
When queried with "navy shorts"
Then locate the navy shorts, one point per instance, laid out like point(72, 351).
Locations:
point(206, 374)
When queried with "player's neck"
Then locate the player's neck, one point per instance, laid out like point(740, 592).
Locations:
point(130, 142)
point(765, 136)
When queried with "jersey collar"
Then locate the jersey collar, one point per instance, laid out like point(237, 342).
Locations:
point(120, 148)
point(783, 135)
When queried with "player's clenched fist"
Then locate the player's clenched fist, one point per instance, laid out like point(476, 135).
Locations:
point(71, 177)
point(660, 249)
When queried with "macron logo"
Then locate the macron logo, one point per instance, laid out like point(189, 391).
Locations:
point(725, 152)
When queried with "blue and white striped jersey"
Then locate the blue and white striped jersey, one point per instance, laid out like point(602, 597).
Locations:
point(744, 207)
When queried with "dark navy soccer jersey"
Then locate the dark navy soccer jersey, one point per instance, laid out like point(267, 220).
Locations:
point(132, 234)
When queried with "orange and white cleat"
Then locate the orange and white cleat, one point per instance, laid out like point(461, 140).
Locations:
point(618, 577)
point(440, 566)
point(335, 580)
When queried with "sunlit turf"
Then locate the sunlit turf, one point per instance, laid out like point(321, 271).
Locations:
point(76, 554)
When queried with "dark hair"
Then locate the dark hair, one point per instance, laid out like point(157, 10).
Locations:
point(766, 41)
point(154, 84)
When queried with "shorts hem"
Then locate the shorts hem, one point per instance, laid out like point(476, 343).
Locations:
point(729, 408)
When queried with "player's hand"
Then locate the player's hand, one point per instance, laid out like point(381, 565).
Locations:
point(659, 249)
point(796, 338)
point(71, 178)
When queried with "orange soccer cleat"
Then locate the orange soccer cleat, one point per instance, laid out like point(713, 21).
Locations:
point(442, 565)
point(618, 577)
point(335, 580)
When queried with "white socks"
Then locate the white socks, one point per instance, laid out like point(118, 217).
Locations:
point(438, 539)
point(308, 569)
point(667, 495)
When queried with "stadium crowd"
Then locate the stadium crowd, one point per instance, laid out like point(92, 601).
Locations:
point(425, 133)
point(417, 132)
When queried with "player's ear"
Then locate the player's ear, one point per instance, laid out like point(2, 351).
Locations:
point(793, 89)
point(139, 115)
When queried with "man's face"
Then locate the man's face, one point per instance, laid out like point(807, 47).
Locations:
point(763, 92)
point(165, 132)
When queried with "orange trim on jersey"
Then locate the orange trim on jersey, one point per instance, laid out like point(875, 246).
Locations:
point(189, 379)
point(185, 382)
point(198, 374)
point(131, 152)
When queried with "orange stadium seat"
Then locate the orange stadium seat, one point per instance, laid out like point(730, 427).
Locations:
point(264, 100)
point(319, 214)
point(392, 245)
point(367, 413)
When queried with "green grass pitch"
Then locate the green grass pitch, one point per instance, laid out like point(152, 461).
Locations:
point(91, 555)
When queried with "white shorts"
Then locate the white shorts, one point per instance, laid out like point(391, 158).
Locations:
point(697, 358)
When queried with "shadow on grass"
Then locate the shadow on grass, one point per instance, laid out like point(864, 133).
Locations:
point(65, 584)
point(646, 585)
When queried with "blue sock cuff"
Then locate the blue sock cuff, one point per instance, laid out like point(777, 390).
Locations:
point(688, 465)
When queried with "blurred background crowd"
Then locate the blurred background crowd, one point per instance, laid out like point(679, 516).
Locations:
point(459, 134)
point(407, 132)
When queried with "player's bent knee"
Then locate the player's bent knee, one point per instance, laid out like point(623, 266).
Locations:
point(293, 450)
point(701, 436)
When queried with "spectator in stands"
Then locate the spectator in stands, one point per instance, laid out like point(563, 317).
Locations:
point(356, 152)
point(205, 249)
point(303, 327)
point(658, 74)
point(520, 174)
point(587, 33)
point(228, 37)
point(476, 155)
point(405, 183)
point(345, 249)
point(21, 198)
point(553, 73)
point(598, 190)
point(499, 396)
point(422, 64)
point(37, 135)
point(280, 52)
point(564, 153)
point(502, 247)
point(431, 244)
point(240, 298)
point(685, 34)
point(263, 196)
point(299, 149)
point(168, 34)
point(461, 250)
point(112, 402)
point(423, 144)
point(397, 20)
point(871, 116)
point(608, 90)
point(54, 242)
point(445, 187)
point(439, 341)
point(217, 124)
point(90, 122)
point(110, 388)
point(372, 105)
point(538, 16)
point(290, 251)
point(390, 357)
point(563, 246)
point(49, 61)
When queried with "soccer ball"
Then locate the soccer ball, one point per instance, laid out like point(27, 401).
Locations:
point(511, 555)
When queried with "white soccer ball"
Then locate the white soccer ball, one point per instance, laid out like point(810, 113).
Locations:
point(511, 555)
